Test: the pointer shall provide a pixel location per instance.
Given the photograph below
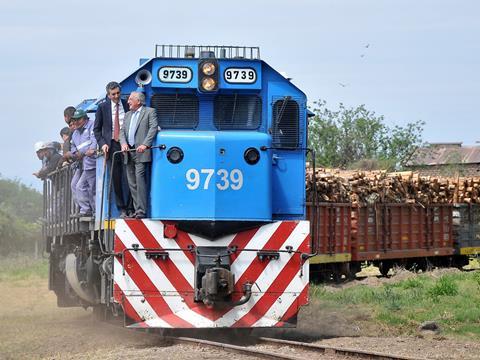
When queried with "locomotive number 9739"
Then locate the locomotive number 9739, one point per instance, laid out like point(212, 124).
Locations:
point(175, 74)
point(224, 180)
point(240, 75)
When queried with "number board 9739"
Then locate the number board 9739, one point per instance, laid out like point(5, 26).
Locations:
point(175, 74)
point(240, 75)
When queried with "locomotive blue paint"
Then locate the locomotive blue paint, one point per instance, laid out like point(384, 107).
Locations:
point(288, 180)
point(213, 181)
point(272, 189)
point(108, 208)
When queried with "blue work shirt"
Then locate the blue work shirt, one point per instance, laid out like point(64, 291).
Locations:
point(83, 139)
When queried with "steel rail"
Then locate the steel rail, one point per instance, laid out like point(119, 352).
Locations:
point(250, 350)
point(334, 350)
point(323, 349)
point(245, 350)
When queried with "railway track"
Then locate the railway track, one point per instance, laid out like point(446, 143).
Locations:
point(269, 348)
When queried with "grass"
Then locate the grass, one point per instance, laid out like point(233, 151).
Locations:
point(452, 300)
point(21, 267)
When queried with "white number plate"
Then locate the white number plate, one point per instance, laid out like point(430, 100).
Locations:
point(175, 74)
point(224, 180)
point(240, 75)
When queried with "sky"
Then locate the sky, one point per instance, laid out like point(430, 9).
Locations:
point(406, 60)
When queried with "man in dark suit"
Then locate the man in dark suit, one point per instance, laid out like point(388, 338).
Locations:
point(139, 131)
point(108, 123)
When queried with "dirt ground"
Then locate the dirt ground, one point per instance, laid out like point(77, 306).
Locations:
point(33, 327)
point(351, 329)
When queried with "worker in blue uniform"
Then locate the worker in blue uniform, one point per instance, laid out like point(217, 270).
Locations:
point(84, 149)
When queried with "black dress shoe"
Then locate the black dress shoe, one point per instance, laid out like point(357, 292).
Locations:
point(140, 215)
point(130, 215)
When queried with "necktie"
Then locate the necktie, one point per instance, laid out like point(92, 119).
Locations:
point(116, 125)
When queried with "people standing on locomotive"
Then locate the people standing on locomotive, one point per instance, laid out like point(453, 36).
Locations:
point(65, 134)
point(84, 146)
point(108, 123)
point(50, 159)
point(68, 113)
point(67, 116)
point(139, 131)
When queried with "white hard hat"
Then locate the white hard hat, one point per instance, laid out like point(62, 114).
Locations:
point(39, 145)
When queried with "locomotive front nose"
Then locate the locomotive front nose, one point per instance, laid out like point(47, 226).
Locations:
point(212, 183)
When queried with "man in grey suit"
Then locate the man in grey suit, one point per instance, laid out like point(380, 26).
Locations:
point(140, 127)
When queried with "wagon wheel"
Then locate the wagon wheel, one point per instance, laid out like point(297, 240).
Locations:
point(384, 267)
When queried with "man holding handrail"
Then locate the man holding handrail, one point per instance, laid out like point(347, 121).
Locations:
point(108, 123)
point(84, 149)
point(139, 131)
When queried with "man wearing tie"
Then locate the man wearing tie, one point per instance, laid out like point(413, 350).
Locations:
point(139, 131)
point(108, 122)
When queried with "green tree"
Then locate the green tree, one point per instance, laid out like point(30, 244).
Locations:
point(348, 136)
point(20, 209)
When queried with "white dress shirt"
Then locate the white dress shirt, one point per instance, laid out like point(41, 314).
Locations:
point(121, 115)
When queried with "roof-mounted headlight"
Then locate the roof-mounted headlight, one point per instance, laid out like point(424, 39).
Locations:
point(208, 68)
point(208, 84)
point(208, 75)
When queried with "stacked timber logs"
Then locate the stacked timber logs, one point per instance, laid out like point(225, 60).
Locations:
point(369, 187)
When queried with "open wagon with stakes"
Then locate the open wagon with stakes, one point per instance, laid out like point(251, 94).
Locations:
point(225, 242)
point(396, 219)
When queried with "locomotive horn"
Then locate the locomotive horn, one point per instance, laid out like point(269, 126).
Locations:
point(144, 77)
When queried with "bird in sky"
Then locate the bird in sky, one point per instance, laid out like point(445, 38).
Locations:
point(366, 47)
point(343, 85)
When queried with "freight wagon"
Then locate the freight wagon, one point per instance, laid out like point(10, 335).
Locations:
point(386, 235)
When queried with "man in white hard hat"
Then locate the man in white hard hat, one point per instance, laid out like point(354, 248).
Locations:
point(50, 157)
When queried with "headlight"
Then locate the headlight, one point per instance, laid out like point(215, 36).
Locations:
point(175, 155)
point(208, 68)
point(208, 84)
point(251, 156)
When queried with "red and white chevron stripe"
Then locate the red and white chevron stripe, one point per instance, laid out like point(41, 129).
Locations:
point(160, 293)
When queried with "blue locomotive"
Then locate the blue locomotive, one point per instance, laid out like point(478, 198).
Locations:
point(225, 242)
